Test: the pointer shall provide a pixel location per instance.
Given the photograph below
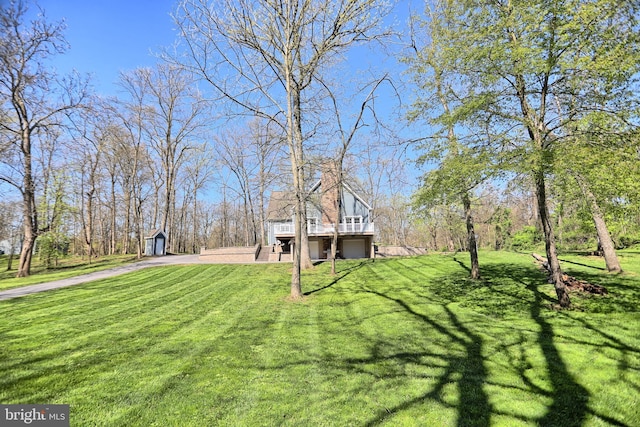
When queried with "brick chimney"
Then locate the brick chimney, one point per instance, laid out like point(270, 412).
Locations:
point(330, 193)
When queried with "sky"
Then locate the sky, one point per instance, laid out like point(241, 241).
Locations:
point(110, 36)
point(107, 37)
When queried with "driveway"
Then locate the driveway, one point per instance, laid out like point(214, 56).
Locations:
point(112, 272)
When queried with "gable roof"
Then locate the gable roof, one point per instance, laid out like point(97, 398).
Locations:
point(346, 187)
point(281, 203)
point(157, 233)
point(280, 206)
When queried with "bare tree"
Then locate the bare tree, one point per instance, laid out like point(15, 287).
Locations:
point(234, 154)
point(267, 149)
point(346, 136)
point(89, 141)
point(174, 114)
point(32, 100)
point(199, 172)
point(9, 228)
point(265, 56)
point(130, 152)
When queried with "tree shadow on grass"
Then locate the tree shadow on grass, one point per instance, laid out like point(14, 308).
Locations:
point(462, 264)
point(570, 400)
point(467, 370)
point(497, 296)
point(506, 290)
point(566, 261)
point(341, 275)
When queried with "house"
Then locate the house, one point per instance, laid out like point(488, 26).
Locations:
point(328, 207)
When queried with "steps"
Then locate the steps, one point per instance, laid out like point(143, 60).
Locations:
point(263, 256)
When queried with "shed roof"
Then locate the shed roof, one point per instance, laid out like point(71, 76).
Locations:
point(156, 234)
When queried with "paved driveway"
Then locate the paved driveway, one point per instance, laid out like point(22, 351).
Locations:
point(63, 283)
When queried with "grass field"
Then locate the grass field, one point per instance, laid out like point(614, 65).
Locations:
point(67, 267)
point(397, 342)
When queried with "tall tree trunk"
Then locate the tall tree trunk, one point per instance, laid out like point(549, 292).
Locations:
point(114, 237)
point(139, 227)
point(471, 237)
point(604, 238)
point(88, 224)
point(26, 254)
point(194, 237)
point(30, 221)
point(305, 261)
point(535, 126)
point(126, 236)
point(245, 207)
point(263, 234)
point(295, 148)
point(550, 242)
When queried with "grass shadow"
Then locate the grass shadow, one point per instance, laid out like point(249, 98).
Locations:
point(570, 399)
point(462, 264)
point(466, 369)
point(474, 408)
point(343, 273)
point(495, 296)
point(582, 265)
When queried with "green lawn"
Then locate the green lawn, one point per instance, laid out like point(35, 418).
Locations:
point(67, 267)
point(397, 342)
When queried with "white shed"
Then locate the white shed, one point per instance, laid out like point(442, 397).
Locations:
point(156, 244)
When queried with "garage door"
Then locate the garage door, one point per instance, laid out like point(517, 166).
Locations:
point(314, 249)
point(353, 248)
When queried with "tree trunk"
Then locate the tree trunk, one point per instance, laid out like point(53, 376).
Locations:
point(88, 225)
point(294, 140)
point(126, 239)
point(471, 236)
point(10, 260)
point(114, 237)
point(550, 242)
point(604, 238)
point(30, 221)
point(24, 265)
point(305, 261)
point(194, 237)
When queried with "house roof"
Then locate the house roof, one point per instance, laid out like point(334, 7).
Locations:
point(345, 186)
point(281, 203)
point(280, 206)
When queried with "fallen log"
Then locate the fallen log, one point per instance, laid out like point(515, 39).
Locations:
point(571, 282)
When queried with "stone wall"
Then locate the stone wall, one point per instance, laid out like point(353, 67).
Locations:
point(231, 255)
point(387, 251)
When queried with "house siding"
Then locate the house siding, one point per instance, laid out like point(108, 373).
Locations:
point(357, 241)
point(353, 206)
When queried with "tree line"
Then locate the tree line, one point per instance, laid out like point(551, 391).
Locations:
point(526, 116)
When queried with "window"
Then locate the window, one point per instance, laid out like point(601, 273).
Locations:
point(354, 223)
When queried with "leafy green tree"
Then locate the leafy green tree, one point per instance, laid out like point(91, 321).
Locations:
point(606, 173)
point(51, 247)
point(462, 163)
point(531, 71)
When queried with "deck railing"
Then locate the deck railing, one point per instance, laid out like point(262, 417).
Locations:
point(315, 229)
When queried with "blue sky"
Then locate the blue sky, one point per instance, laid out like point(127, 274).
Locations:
point(109, 36)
